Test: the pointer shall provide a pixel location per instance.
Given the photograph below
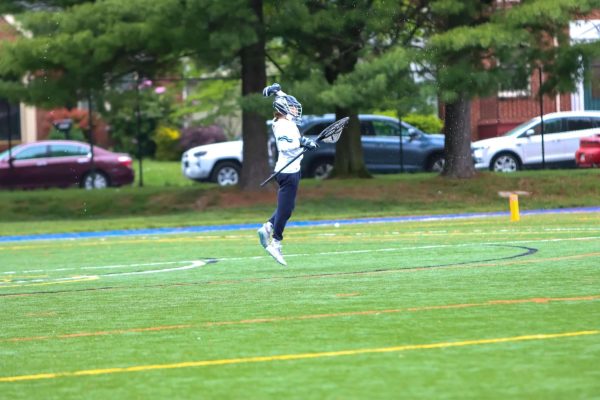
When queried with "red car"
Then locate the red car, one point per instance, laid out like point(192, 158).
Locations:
point(63, 163)
point(588, 154)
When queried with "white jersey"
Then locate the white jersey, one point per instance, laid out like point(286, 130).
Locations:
point(287, 137)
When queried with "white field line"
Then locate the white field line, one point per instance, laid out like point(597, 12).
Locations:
point(440, 246)
point(192, 265)
point(343, 252)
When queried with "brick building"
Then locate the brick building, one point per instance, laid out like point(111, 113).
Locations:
point(493, 116)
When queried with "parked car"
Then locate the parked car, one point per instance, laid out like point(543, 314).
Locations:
point(218, 162)
point(521, 147)
point(63, 163)
point(380, 137)
point(222, 162)
point(588, 154)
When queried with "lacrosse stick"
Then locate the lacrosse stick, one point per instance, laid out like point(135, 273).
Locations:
point(331, 134)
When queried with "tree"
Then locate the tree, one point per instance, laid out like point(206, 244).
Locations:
point(230, 37)
point(83, 47)
point(473, 47)
point(346, 56)
point(254, 79)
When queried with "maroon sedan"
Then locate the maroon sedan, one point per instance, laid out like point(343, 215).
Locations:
point(63, 163)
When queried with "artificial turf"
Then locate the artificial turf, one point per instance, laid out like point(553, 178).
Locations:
point(474, 308)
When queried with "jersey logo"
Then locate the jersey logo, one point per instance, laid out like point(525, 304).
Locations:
point(286, 139)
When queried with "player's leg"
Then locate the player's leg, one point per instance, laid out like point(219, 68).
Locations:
point(286, 202)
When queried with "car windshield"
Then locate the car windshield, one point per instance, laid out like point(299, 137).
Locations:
point(519, 128)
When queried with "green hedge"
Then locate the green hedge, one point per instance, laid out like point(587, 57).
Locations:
point(426, 123)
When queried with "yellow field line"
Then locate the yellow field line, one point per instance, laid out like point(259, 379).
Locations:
point(288, 357)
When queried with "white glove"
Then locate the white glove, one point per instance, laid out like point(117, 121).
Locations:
point(308, 143)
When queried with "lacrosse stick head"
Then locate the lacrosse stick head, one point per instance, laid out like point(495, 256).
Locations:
point(332, 133)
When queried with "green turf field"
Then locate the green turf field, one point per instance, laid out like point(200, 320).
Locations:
point(474, 308)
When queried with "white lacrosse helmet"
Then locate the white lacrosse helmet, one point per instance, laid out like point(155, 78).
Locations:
point(288, 106)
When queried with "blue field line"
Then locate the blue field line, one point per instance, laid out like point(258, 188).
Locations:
point(238, 227)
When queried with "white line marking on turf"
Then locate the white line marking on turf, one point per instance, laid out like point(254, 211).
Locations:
point(103, 267)
point(193, 264)
point(365, 251)
point(390, 249)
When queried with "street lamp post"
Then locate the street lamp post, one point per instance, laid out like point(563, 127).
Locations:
point(91, 139)
point(138, 127)
point(9, 134)
point(401, 148)
point(541, 95)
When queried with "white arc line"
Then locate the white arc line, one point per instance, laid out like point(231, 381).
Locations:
point(195, 264)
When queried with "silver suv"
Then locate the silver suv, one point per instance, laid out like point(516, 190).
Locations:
point(521, 147)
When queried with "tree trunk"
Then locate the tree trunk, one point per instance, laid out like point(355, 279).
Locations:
point(459, 161)
point(349, 160)
point(254, 132)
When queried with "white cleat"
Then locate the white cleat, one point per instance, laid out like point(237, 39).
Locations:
point(274, 249)
point(264, 234)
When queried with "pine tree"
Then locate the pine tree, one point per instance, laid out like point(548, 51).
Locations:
point(475, 46)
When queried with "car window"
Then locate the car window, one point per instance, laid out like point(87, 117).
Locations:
point(386, 128)
point(554, 126)
point(578, 123)
point(550, 126)
point(406, 130)
point(522, 128)
point(596, 122)
point(32, 152)
point(67, 150)
point(366, 128)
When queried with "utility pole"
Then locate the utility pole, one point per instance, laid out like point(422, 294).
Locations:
point(138, 127)
point(91, 139)
point(9, 133)
point(541, 95)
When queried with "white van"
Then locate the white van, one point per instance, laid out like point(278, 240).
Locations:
point(521, 147)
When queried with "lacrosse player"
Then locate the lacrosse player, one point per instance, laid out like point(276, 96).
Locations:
point(287, 113)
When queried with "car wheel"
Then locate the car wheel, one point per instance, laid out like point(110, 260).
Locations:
point(436, 163)
point(226, 174)
point(95, 180)
point(505, 163)
point(321, 169)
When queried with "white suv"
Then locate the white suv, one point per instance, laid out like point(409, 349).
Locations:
point(522, 146)
point(218, 162)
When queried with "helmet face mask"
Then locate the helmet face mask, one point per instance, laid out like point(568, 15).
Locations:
point(289, 107)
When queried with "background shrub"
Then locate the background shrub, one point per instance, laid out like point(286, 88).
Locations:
point(426, 123)
point(167, 144)
point(201, 135)
point(75, 134)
